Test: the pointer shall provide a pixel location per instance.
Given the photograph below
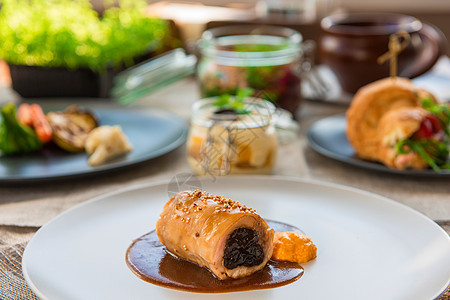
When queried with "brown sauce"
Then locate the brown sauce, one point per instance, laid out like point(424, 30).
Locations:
point(147, 258)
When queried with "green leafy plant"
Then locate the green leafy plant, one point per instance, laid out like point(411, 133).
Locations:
point(69, 33)
point(234, 103)
point(14, 137)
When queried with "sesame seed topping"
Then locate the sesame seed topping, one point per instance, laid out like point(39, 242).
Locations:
point(222, 203)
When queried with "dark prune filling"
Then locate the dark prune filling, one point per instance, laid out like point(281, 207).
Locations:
point(242, 249)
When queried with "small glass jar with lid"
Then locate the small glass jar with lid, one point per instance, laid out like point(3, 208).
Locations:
point(222, 142)
point(264, 58)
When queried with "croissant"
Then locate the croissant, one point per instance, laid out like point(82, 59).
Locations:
point(397, 125)
point(385, 112)
point(229, 239)
point(368, 106)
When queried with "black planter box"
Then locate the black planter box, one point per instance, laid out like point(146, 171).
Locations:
point(35, 82)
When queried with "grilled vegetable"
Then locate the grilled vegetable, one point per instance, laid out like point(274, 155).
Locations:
point(40, 124)
point(105, 143)
point(14, 137)
point(71, 127)
point(24, 114)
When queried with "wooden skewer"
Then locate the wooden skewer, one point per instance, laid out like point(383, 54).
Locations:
point(395, 47)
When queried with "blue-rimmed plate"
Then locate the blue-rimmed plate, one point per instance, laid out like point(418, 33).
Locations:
point(151, 133)
point(328, 137)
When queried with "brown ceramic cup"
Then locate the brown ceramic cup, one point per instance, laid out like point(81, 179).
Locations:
point(351, 43)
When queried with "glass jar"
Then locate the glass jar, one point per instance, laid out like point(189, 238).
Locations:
point(265, 58)
point(221, 142)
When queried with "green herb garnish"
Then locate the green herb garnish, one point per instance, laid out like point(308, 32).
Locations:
point(235, 103)
point(435, 153)
point(14, 137)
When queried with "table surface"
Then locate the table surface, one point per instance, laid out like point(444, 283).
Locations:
point(26, 207)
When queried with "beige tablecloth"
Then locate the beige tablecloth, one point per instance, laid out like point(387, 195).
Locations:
point(26, 207)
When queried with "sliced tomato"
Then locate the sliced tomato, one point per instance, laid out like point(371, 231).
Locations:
point(430, 128)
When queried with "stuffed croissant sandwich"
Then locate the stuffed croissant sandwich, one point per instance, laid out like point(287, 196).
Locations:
point(392, 122)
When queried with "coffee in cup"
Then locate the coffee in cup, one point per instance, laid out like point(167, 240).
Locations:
point(351, 43)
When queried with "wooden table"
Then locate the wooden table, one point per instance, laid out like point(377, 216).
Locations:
point(26, 207)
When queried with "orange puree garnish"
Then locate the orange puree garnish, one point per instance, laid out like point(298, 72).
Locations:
point(293, 246)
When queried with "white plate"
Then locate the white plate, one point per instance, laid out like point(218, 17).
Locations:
point(369, 247)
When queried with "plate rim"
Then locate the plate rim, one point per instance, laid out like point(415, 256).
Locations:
point(362, 164)
point(116, 166)
point(150, 184)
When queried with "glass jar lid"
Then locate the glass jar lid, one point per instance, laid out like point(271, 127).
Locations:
point(152, 74)
point(251, 46)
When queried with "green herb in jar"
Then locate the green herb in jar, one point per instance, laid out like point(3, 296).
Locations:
point(259, 47)
point(234, 104)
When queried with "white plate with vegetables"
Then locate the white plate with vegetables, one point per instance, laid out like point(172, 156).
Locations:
point(31, 154)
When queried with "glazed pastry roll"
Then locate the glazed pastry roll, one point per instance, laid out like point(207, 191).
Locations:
point(229, 239)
